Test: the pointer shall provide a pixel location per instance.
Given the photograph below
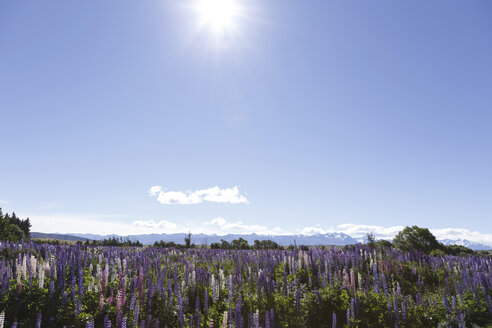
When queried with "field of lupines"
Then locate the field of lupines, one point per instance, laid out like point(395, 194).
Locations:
point(86, 286)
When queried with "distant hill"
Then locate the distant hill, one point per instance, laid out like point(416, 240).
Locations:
point(334, 239)
point(57, 236)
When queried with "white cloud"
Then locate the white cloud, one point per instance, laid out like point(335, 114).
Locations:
point(214, 194)
point(240, 227)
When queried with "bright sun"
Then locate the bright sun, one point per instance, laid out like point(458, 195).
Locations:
point(218, 15)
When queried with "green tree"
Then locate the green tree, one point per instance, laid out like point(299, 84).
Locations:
point(239, 244)
point(8, 231)
point(371, 240)
point(416, 238)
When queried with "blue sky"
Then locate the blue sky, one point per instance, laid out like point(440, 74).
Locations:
point(321, 114)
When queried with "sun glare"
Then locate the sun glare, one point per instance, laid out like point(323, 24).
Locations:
point(218, 15)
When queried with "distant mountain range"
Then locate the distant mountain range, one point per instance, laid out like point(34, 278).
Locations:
point(335, 239)
point(467, 243)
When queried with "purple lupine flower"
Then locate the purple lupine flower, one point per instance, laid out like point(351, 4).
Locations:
point(136, 313)
point(199, 319)
point(14, 325)
point(318, 295)
point(205, 302)
point(385, 286)
point(489, 304)
point(123, 322)
point(272, 318)
point(38, 320)
point(403, 310)
point(181, 311)
point(462, 320)
point(334, 320)
point(298, 300)
point(238, 316)
point(52, 289)
point(446, 302)
point(267, 319)
point(352, 308)
point(348, 317)
point(375, 276)
point(356, 303)
point(107, 322)
point(397, 318)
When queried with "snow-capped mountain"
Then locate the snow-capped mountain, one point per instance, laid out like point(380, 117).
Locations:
point(337, 239)
point(467, 243)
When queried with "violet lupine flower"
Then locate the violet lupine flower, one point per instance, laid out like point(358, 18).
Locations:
point(197, 304)
point(462, 320)
point(397, 318)
point(14, 325)
point(446, 302)
point(199, 319)
point(334, 320)
point(403, 310)
point(318, 295)
point(38, 320)
point(123, 322)
point(489, 303)
point(205, 302)
point(352, 308)
point(89, 324)
point(238, 316)
point(385, 286)
point(267, 319)
point(348, 317)
point(356, 304)
point(181, 312)
point(52, 289)
point(298, 300)
point(272, 318)
point(375, 275)
point(135, 315)
point(132, 302)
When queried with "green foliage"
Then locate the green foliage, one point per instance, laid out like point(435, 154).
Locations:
point(12, 228)
point(243, 244)
point(113, 241)
point(415, 238)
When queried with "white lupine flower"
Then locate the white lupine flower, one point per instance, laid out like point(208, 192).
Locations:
point(225, 320)
point(256, 318)
point(2, 319)
point(41, 276)
point(222, 279)
point(33, 264)
point(24, 268)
